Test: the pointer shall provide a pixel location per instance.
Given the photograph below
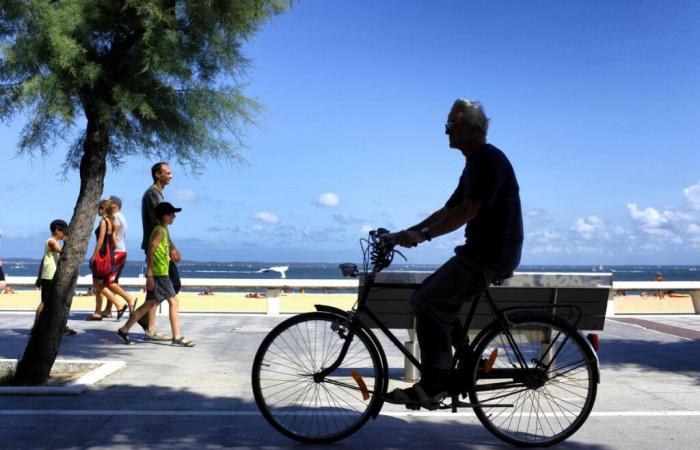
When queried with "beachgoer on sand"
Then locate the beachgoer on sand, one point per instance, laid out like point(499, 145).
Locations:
point(158, 282)
point(658, 292)
point(47, 267)
point(3, 283)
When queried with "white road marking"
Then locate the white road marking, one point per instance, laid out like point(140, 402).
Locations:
point(122, 412)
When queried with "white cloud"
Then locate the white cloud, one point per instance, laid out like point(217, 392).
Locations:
point(590, 226)
point(329, 199)
point(186, 195)
point(648, 217)
point(366, 229)
point(267, 217)
point(257, 228)
point(535, 216)
point(692, 195)
point(345, 219)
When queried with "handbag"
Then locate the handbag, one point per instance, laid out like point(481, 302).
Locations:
point(102, 265)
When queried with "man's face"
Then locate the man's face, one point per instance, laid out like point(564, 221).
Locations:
point(461, 135)
point(164, 175)
point(455, 129)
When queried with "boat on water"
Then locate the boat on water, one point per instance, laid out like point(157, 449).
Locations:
point(282, 270)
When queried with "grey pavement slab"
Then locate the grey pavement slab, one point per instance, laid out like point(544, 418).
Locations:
point(180, 398)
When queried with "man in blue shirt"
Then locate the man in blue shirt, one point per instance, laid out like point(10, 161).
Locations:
point(487, 200)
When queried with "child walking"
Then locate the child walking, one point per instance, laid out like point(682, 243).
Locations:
point(158, 282)
point(47, 270)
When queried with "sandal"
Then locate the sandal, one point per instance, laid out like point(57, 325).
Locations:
point(124, 337)
point(68, 331)
point(415, 398)
point(121, 312)
point(182, 342)
point(92, 317)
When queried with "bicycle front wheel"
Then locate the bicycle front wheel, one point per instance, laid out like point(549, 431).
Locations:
point(534, 385)
point(292, 396)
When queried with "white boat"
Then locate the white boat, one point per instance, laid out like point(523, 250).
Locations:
point(282, 270)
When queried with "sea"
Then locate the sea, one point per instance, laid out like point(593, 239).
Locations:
point(232, 270)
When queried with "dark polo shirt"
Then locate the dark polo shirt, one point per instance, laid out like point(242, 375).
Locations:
point(495, 235)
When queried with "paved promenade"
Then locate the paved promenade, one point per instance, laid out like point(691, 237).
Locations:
point(182, 398)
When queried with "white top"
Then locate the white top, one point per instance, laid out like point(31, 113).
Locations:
point(121, 232)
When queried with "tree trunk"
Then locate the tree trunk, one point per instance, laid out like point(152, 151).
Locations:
point(42, 348)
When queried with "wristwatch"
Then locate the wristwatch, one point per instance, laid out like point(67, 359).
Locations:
point(426, 233)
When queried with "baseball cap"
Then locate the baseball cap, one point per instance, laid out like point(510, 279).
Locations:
point(166, 208)
point(116, 200)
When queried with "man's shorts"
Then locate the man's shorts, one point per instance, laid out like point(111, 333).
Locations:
point(163, 290)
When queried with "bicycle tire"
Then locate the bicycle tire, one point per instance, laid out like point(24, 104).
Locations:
point(547, 407)
point(285, 390)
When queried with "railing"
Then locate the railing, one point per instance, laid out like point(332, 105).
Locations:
point(276, 285)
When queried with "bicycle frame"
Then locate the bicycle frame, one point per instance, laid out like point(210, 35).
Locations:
point(464, 346)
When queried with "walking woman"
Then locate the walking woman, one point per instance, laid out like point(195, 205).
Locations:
point(106, 233)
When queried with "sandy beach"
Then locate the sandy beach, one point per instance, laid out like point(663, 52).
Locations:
point(296, 302)
point(193, 302)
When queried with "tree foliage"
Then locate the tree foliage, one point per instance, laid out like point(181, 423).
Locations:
point(121, 77)
point(162, 76)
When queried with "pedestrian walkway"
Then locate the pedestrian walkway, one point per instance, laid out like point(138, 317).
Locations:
point(181, 398)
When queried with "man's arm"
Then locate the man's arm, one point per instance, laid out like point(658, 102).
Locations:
point(439, 223)
point(432, 219)
point(54, 246)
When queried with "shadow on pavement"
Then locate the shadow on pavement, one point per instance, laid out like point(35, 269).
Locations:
point(116, 423)
point(676, 357)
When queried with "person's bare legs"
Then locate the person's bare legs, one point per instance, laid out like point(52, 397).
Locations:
point(174, 318)
point(111, 300)
point(97, 287)
point(140, 312)
point(114, 287)
point(152, 319)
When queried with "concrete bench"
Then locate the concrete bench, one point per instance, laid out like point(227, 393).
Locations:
point(591, 292)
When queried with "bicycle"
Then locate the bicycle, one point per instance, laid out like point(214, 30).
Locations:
point(530, 376)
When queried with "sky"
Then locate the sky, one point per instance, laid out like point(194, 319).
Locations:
point(595, 103)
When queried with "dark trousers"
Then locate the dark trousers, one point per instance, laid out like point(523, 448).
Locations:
point(437, 304)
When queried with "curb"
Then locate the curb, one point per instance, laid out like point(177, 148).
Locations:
point(76, 387)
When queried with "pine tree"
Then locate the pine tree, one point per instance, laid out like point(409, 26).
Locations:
point(117, 78)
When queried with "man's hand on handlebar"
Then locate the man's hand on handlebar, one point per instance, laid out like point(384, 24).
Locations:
point(406, 238)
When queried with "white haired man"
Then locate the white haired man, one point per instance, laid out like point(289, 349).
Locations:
point(487, 200)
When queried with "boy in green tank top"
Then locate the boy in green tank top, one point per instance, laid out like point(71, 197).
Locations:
point(158, 282)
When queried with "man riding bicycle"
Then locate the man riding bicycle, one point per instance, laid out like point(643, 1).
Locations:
point(487, 200)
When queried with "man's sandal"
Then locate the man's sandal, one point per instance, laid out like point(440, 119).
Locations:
point(182, 342)
point(124, 337)
point(415, 398)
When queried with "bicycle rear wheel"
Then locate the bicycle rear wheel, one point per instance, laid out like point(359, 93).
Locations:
point(545, 396)
point(302, 406)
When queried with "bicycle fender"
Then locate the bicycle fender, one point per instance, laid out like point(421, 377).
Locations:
point(377, 347)
point(331, 309)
